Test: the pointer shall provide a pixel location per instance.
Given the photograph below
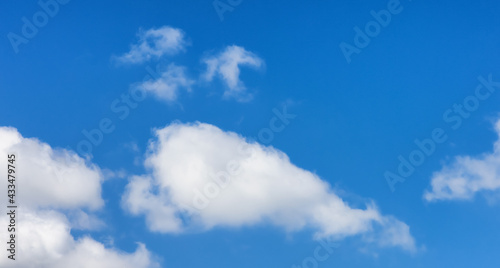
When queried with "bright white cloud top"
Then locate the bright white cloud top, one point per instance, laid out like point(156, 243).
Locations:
point(154, 44)
point(52, 181)
point(51, 178)
point(203, 177)
point(226, 66)
point(467, 176)
point(167, 86)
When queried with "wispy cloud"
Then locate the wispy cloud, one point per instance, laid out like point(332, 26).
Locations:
point(167, 86)
point(226, 66)
point(154, 44)
point(467, 176)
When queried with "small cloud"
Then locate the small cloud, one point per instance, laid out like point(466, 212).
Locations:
point(226, 66)
point(155, 43)
point(467, 176)
point(168, 85)
point(132, 146)
point(82, 221)
point(114, 174)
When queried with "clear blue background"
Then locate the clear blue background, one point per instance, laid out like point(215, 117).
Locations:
point(353, 120)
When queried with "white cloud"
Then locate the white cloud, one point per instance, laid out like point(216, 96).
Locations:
point(467, 176)
point(226, 65)
point(203, 177)
point(155, 43)
point(47, 177)
point(49, 181)
point(44, 240)
point(168, 85)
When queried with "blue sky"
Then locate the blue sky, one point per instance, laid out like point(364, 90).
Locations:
point(212, 79)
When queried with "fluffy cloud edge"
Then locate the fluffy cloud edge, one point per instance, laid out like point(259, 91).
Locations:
point(467, 176)
point(56, 188)
point(187, 161)
point(44, 240)
point(56, 178)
